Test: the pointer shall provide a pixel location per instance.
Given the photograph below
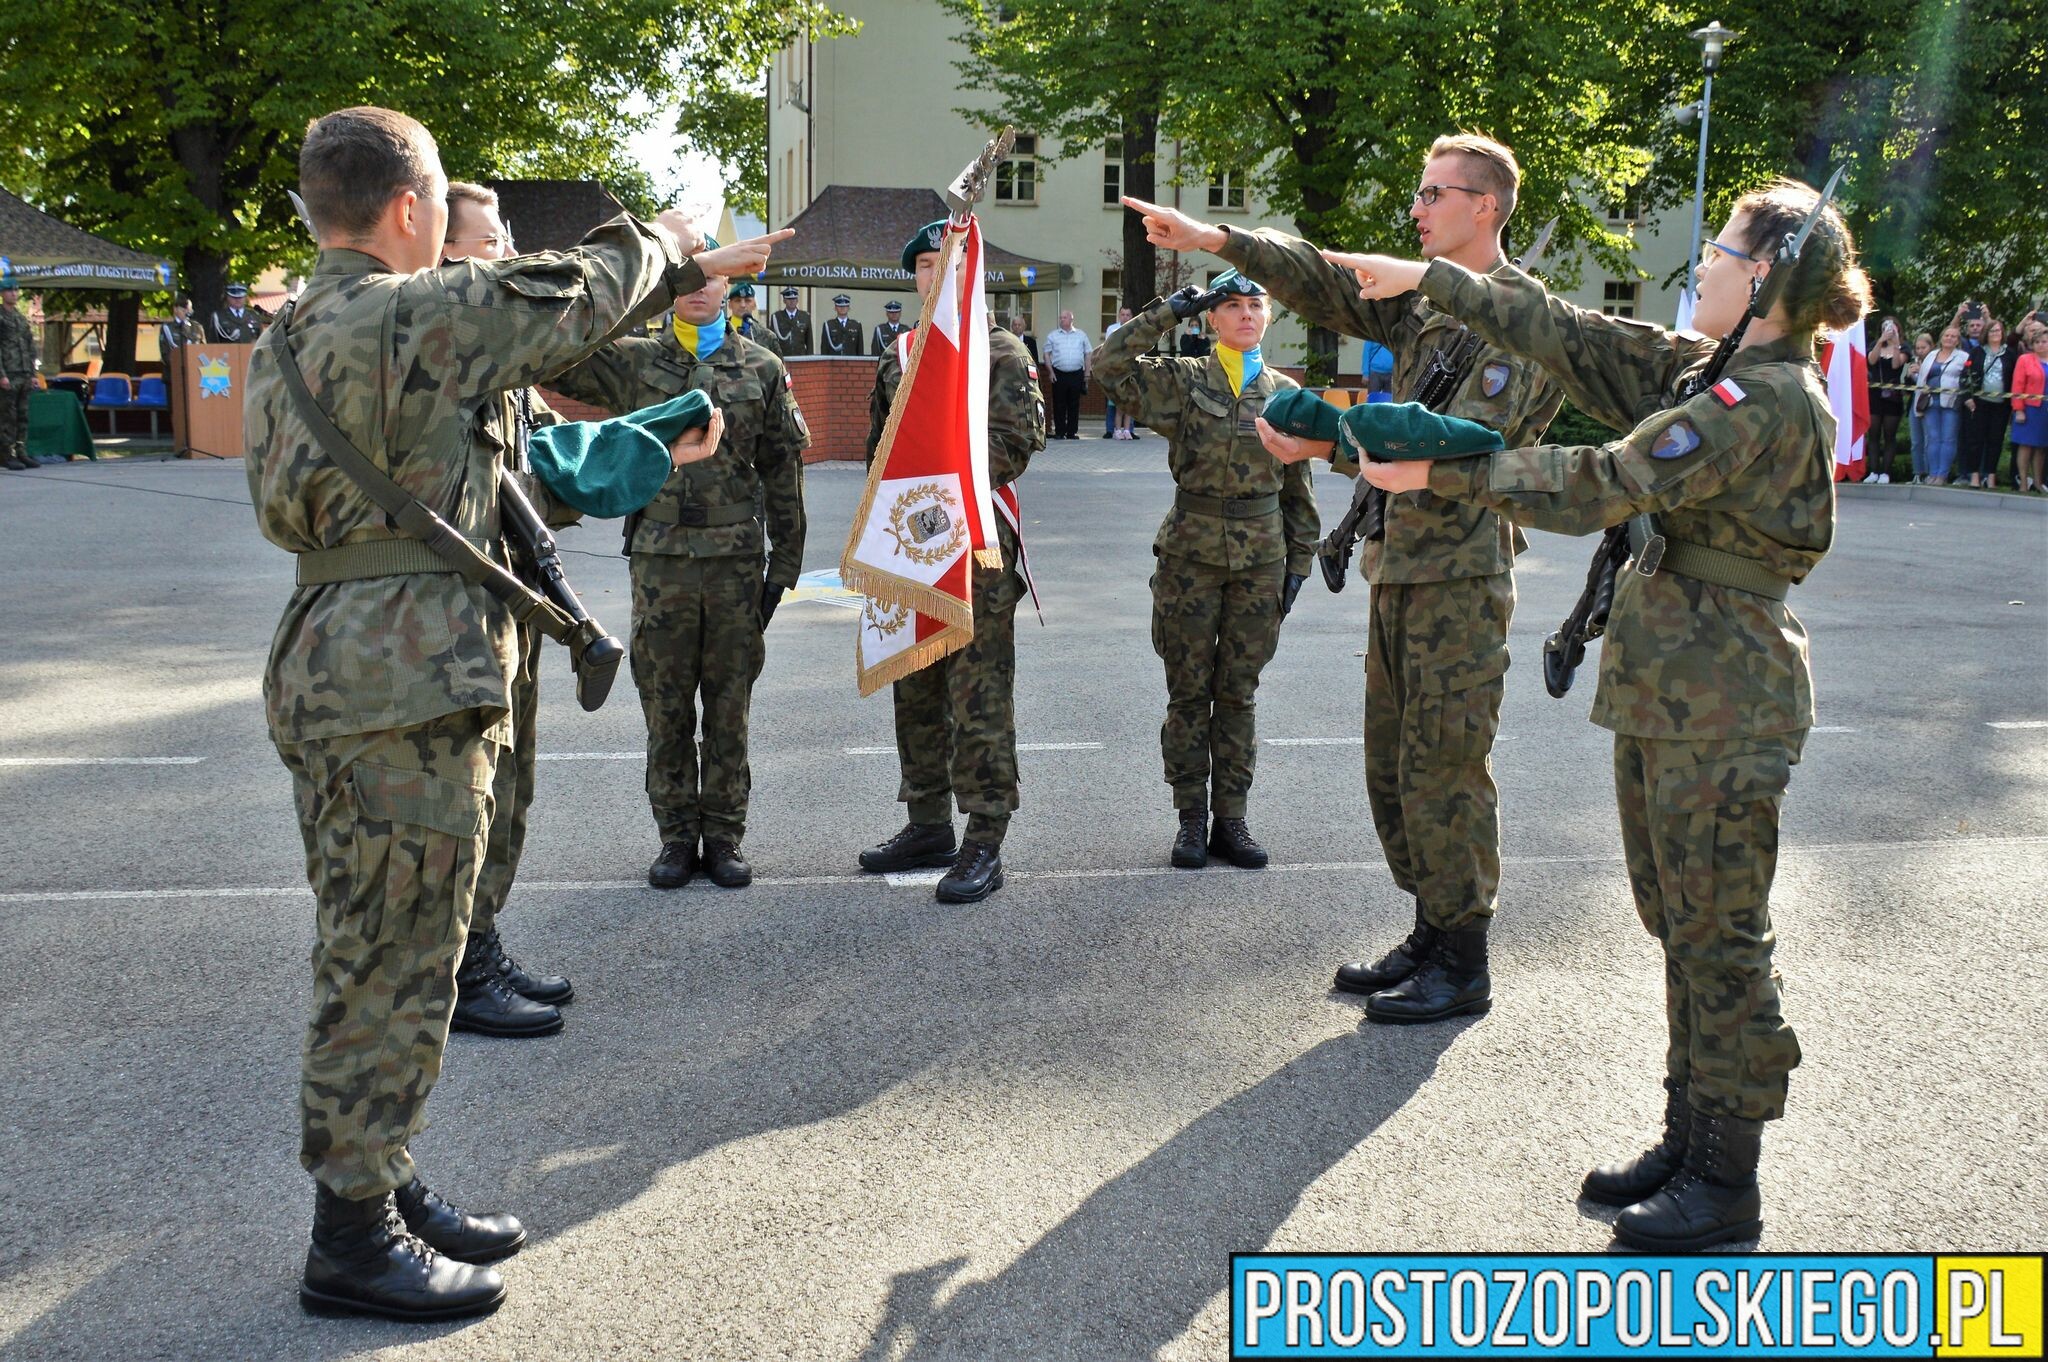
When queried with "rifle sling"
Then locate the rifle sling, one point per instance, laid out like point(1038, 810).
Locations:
point(450, 550)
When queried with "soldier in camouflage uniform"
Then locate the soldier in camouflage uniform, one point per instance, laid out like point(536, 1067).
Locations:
point(741, 303)
point(18, 356)
point(704, 582)
point(1233, 551)
point(1704, 677)
point(956, 719)
point(1443, 588)
point(494, 995)
point(388, 691)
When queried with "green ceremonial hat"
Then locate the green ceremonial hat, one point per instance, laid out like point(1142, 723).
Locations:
point(743, 289)
point(1299, 412)
point(1409, 430)
point(613, 468)
point(930, 237)
point(1230, 281)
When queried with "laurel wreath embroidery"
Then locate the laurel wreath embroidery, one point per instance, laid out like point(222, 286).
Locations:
point(887, 620)
point(925, 556)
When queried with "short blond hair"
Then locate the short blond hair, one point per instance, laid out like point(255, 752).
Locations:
point(1490, 163)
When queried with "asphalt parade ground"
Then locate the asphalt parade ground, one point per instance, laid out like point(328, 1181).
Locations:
point(827, 1117)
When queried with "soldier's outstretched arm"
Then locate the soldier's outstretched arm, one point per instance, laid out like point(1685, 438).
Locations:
point(1674, 458)
point(1147, 386)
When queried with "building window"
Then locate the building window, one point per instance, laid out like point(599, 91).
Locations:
point(1112, 299)
point(1621, 297)
point(1629, 211)
point(1226, 191)
point(1017, 178)
point(1113, 172)
point(1008, 305)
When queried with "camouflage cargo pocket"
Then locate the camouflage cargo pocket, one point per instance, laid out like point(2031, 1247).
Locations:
point(1457, 711)
point(415, 835)
point(1719, 827)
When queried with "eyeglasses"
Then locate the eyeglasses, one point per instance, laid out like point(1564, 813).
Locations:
point(1713, 250)
point(1430, 193)
point(493, 242)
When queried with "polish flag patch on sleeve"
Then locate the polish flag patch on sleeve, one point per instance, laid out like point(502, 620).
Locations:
point(1728, 392)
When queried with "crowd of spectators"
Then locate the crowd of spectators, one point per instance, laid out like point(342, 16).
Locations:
point(1960, 397)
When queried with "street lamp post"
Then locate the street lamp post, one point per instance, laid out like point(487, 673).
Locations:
point(1713, 40)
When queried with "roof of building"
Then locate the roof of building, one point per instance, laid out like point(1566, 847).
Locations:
point(42, 252)
point(553, 215)
point(852, 237)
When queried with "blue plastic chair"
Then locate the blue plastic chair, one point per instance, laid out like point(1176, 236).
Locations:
point(112, 390)
point(152, 391)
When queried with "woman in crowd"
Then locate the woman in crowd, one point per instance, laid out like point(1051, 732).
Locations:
point(2030, 412)
point(1989, 406)
point(1887, 401)
point(1918, 402)
point(1942, 373)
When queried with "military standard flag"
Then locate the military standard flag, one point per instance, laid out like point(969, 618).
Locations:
point(927, 515)
point(1848, 379)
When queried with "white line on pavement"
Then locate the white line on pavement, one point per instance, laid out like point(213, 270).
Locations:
point(929, 877)
point(1833, 728)
point(1021, 747)
point(101, 761)
point(589, 756)
point(2018, 723)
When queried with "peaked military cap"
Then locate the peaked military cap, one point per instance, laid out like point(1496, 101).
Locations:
point(841, 300)
point(930, 237)
point(892, 306)
point(1409, 430)
point(1299, 412)
point(789, 293)
point(1231, 282)
point(238, 290)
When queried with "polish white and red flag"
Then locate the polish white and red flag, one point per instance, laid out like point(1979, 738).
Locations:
point(1843, 365)
point(927, 515)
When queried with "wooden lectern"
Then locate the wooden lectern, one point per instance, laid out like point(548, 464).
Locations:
point(206, 382)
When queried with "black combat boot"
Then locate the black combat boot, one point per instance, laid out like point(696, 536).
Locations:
point(1451, 983)
point(674, 867)
point(1190, 850)
point(1629, 1181)
point(552, 989)
point(919, 846)
point(364, 1262)
point(977, 872)
point(454, 1231)
point(1711, 1199)
point(1232, 840)
point(723, 864)
point(486, 1005)
point(1396, 965)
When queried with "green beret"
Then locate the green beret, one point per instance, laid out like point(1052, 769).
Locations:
point(710, 242)
point(930, 237)
point(1230, 281)
point(1299, 412)
point(613, 468)
point(742, 289)
point(1409, 430)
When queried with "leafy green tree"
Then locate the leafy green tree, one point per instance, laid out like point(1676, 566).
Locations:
point(174, 127)
point(731, 125)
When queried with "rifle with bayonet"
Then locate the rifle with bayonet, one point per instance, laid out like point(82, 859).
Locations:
point(1564, 650)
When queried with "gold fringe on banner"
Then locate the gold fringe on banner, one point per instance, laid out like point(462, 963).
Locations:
point(890, 670)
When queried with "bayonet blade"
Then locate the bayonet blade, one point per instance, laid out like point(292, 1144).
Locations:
point(1536, 251)
point(1826, 196)
point(969, 185)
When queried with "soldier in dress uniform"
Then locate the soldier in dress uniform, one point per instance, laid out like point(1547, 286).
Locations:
point(842, 332)
point(180, 330)
point(237, 322)
point(792, 327)
point(889, 329)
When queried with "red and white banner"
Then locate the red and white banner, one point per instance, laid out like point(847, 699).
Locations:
point(927, 515)
point(1848, 378)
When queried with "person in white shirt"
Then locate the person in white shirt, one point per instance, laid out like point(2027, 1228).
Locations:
point(1070, 355)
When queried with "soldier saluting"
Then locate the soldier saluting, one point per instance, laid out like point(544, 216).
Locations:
point(792, 327)
point(1443, 589)
point(1232, 552)
point(388, 687)
point(842, 332)
point(706, 578)
point(1725, 484)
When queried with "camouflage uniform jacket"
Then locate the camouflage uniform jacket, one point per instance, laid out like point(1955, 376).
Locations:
point(18, 350)
point(409, 366)
point(1746, 468)
point(1428, 539)
point(750, 328)
point(1212, 447)
point(759, 464)
point(1016, 414)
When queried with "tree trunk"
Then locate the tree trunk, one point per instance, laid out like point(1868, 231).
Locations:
point(200, 152)
point(1321, 361)
point(124, 310)
point(205, 281)
point(1141, 165)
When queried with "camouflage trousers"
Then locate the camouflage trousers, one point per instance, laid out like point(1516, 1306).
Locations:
point(511, 790)
point(394, 825)
point(956, 720)
point(1435, 658)
point(1699, 824)
point(697, 635)
point(14, 413)
point(1215, 629)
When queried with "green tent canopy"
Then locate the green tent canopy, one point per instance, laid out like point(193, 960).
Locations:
point(40, 252)
point(851, 237)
